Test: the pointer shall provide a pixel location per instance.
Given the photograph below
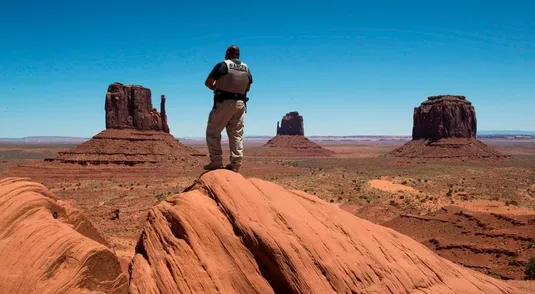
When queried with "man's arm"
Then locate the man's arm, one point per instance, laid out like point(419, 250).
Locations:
point(218, 71)
point(210, 83)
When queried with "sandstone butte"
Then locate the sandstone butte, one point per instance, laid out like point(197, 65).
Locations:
point(224, 234)
point(445, 127)
point(136, 133)
point(291, 141)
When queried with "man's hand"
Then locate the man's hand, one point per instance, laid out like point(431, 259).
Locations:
point(210, 83)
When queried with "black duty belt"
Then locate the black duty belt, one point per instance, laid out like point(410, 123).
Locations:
point(221, 96)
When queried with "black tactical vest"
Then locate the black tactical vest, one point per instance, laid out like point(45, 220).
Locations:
point(236, 80)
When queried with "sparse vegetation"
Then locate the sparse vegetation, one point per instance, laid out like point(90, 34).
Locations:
point(530, 269)
point(160, 197)
point(512, 202)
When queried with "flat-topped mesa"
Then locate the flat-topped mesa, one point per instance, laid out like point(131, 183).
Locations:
point(291, 124)
point(130, 107)
point(444, 116)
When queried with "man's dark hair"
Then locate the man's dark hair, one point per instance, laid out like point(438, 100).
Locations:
point(233, 52)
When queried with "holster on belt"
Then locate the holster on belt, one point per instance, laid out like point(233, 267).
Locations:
point(220, 96)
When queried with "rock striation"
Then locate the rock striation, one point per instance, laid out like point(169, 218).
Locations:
point(444, 116)
point(228, 234)
point(135, 133)
point(130, 107)
point(48, 246)
point(291, 141)
point(445, 128)
point(495, 243)
point(291, 124)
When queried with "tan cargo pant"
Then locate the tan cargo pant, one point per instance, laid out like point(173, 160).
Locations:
point(227, 114)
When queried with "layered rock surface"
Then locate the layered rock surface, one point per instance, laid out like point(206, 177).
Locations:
point(444, 116)
point(130, 107)
point(291, 124)
point(130, 147)
point(47, 246)
point(445, 127)
point(497, 244)
point(228, 234)
point(135, 133)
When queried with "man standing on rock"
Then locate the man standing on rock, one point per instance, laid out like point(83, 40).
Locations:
point(230, 80)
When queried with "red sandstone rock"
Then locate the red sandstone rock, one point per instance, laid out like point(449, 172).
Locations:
point(135, 134)
point(227, 234)
point(131, 147)
point(48, 246)
point(291, 124)
point(444, 116)
point(163, 115)
point(445, 129)
point(130, 107)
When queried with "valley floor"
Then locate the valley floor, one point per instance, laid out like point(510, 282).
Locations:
point(479, 214)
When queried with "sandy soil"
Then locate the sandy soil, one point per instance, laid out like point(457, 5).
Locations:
point(388, 186)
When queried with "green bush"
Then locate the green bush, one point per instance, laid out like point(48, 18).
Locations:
point(530, 269)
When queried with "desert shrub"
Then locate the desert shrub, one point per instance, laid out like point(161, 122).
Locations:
point(393, 203)
point(530, 269)
point(512, 202)
point(404, 183)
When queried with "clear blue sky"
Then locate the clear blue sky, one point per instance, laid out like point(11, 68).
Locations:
point(349, 67)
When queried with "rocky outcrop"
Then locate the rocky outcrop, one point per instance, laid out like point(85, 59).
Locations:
point(48, 246)
point(135, 134)
point(163, 115)
point(291, 124)
point(130, 107)
point(444, 116)
point(495, 243)
point(291, 141)
point(445, 128)
point(228, 234)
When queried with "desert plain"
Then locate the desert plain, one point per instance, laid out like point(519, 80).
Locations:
point(479, 214)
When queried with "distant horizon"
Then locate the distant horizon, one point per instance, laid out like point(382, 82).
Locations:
point(482, 132)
